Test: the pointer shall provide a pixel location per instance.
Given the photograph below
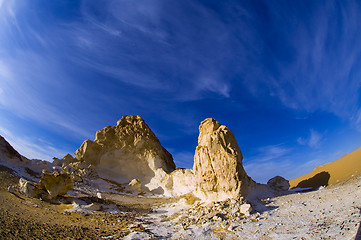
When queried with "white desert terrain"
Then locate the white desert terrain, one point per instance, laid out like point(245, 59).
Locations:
point(125, 185)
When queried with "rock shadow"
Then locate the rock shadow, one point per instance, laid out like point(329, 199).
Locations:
point(261, 198)
point(320, 179)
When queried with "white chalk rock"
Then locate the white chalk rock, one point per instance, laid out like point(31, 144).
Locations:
point(128, 151)
point(245, 209)
point(218, 169)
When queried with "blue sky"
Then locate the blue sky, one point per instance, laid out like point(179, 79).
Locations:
point(284, 76)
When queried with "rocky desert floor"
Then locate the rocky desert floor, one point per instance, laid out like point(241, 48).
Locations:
point(328, 213)
point(29, 218)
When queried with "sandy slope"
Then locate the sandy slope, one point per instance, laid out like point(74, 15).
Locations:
point(339, 170)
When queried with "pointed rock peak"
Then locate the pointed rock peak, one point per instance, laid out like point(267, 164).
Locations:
point(209, 125)
point(218, 163)
point(135, 123)
point(206, 129)
point(126, 120)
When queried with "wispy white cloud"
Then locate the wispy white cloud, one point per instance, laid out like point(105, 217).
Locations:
point(6, 6)
point(26, 87)
point(270, 161)
point(183, 159)
point(356, 120)
point(263, 171)
point(322, 65)
point(149, 57)
point(5, 72)
point(317, 160)
point(314, 140)
point(138, 30)
point(271, 152)
point(32, 148)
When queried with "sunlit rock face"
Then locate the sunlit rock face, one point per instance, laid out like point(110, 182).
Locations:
point(130, 154)
point(128, 151)
point(56, 184)
point(218, 169)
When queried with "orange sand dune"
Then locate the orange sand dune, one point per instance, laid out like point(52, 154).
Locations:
point(331, 173)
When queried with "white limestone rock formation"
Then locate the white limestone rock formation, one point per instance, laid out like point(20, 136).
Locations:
point(278, 183)
point(180, 182)
point(130, 154)
point(218, 169)
point(128, 151)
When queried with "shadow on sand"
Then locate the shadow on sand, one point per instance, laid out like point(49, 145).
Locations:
point(262, 202)
point(320, 179)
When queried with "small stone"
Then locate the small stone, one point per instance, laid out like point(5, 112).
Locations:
point(11, 189)
point(99, 195)
point(245, 209)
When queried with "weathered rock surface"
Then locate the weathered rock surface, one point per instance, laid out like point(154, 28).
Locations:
point(218, 168)
point(180, 182)
point(278, 183)
point(30, 189)
point(127, 151)
point(56, 184)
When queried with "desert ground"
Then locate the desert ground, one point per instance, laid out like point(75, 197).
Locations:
point(22, 217)
point(328, 213)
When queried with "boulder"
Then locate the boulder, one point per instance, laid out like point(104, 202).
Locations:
point(218, 168)
point(127, 151)
point(30, 189)
point(245, 209)
point(56, 184)
point(278, 183)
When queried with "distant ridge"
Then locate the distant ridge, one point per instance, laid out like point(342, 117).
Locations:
point(331, 173)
